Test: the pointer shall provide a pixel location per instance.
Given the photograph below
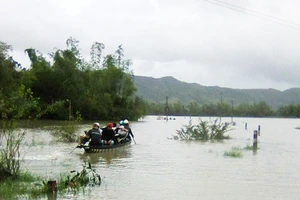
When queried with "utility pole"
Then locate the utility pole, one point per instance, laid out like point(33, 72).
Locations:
point(231, 111)
point(167, 109)
point(221, 106)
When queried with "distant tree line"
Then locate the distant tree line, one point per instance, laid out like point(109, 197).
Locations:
point(260, 109)
point(68, 86)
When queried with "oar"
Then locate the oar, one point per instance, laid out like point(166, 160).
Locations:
point(134, 140)
point(78, 146)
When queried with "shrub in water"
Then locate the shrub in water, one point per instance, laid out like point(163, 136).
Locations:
point(204, 130)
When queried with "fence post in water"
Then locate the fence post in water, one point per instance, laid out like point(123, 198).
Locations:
point(255, 139)
point(52, 186)
point(245, 126)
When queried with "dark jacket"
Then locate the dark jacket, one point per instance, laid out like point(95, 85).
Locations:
point(95, 136)
point(108, 134)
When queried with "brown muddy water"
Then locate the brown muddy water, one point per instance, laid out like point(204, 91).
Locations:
point(159, 168)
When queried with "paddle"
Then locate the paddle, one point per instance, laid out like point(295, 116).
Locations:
point(73, 149)
point(134, 140)
point(78, 146)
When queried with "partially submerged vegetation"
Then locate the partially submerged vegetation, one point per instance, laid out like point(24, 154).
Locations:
point(250, 147)
point(235, 152)
point(26, 185)
point(204, 130)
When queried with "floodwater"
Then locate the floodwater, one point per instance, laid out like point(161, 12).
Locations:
point(159, 168)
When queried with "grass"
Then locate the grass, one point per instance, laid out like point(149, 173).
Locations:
point(28, 186)
point(24, 184)
point(235, 152)
point(250, 147)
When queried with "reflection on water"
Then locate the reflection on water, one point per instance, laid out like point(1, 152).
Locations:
point(255, 147)
point(106, 156)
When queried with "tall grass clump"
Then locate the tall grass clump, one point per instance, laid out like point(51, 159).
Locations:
point(235, 152)
point(204, 130)
point(10, 152)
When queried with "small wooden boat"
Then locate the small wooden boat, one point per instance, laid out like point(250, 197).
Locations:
point(103, 148)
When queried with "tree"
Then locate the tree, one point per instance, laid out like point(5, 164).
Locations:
point(9, 70)
point(67, 83)
point(96, 52)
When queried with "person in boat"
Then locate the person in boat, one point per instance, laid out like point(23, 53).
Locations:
point(114, 126)
point(93, 135)
point(117, 128)
point(121, 134)
point(108, 135)
point(126, 126)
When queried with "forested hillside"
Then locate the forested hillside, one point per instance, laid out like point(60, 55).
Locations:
point(156, 90)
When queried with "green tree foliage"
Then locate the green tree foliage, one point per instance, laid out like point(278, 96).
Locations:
point(117, 88)
point(96, 52)
point(99, 89)
point(260, 109)
point(9, 70)
point(289, 111)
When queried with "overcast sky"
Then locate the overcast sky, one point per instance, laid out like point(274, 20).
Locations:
point(227, 43)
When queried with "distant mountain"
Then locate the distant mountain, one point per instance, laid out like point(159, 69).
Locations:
point(156, 90)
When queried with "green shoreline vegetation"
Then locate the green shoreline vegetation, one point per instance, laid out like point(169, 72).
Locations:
point(256, 109)
point(29, 186)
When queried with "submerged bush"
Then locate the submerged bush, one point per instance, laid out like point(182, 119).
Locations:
point(204, 130)
point(234, 152)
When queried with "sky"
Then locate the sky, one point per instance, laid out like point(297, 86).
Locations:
point(239, 44)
